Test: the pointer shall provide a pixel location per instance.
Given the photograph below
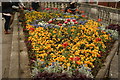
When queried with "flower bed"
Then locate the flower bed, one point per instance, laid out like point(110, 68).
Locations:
point(74, 50)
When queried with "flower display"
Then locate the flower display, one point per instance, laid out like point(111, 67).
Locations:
point(75, 45)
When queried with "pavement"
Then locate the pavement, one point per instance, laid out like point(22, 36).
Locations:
point(114, 67)
point(6, 51)
point(0, 46)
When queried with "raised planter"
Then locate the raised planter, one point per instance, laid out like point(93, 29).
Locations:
point(101, 73)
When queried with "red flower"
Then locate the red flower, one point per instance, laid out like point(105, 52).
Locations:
point(75, 58)
point(43, 8)
point(60, 24)
point(24, 29)
point(98, 39)
point(74, 20)
point(68, 20)
point(47, 9)
point(99, 20)
point(55, 8)
point(65, 44)
point(65, 22)
point(32, 29)
point(50, 21)
point(82, 11)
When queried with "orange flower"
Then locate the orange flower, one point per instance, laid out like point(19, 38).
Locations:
point(77, 62)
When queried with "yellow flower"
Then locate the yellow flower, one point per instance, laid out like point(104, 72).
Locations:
point(79, 62)
point(68, 64)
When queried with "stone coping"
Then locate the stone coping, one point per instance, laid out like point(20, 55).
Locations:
point(19, 62)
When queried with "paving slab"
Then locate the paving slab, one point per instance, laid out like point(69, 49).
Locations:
point(114, 67)
point(0, 45)
point(6, 51)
